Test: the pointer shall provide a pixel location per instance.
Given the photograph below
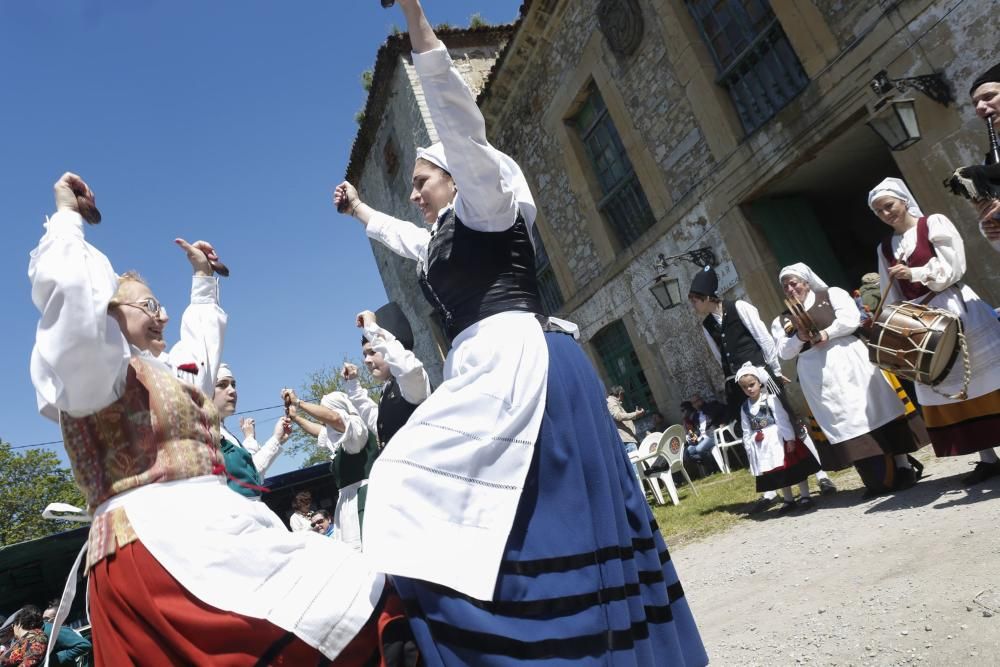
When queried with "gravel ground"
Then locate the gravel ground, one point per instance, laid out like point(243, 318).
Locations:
point(897, 580)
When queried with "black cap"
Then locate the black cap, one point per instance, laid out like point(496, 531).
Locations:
point(705, 283)
point(391, 318)
point(992, 75)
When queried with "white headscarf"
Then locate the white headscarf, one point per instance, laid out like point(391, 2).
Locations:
point(510, 172)
point(756, 371)
point(802, 271)
point(224, 372)
point(894, 187)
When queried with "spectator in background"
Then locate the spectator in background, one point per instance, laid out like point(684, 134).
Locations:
point(871, 291)
point(69, 645)
point(658, 423)
point(322, 523)
point(302, 509)
point(28, 648)
point(704, 419)
point(624, 420)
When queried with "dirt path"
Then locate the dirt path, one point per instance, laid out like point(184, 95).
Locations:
point(895, 580)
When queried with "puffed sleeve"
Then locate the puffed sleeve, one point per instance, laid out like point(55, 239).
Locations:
point(355, 434)
point(948, 264)
point(847, 317)
point(80, 358)
point(405, 367)
point(195, 358)
point(486, 200)
point(363, 403)
point(402, 237)
point(750, 317)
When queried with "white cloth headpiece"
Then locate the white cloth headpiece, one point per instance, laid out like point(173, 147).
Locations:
point(510, 172)
point(756, 371)
point(802, 271)
point(895, 187)
point(224, 372)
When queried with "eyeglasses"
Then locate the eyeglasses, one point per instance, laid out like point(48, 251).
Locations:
point(317, 524)
point(152, 307)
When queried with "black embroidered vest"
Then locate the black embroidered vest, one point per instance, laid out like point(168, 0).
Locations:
point(736, 345)
point(393, 411)
point(471, 275)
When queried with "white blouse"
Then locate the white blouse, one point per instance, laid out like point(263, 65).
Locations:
point(940, 272)
point(80, 360)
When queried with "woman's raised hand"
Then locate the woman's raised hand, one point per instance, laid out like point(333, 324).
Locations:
point(72, 193)
point(345, 198)
point(201, 254)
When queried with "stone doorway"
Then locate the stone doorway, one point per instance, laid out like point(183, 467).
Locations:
point(818, 213)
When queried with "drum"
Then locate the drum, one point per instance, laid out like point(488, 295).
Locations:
point(916, 342)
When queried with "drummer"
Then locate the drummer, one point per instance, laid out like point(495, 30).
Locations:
point(858, 410)
point(925, 257)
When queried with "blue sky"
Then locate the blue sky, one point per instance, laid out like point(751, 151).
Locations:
point(227, 120)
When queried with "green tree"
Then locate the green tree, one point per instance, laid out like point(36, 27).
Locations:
point(30, 480)
point(477, 21)
point(317, 384)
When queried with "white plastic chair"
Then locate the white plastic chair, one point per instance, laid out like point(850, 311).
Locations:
point(725, 438)
point(671, 448)
point(647, 452)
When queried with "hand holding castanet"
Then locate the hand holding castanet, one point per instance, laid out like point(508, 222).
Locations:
point(73, 193)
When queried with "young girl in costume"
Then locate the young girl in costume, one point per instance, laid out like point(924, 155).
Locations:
point(775, 448)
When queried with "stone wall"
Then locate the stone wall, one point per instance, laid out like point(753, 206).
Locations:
point(703, 184)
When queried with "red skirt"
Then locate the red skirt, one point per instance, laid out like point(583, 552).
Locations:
point(140, 614)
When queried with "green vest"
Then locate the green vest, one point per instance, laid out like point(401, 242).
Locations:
point(240, 468)
point(349, 469)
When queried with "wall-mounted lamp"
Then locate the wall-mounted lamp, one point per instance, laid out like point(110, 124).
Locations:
point(667, 291)
point(894, 119)
point(895, 122)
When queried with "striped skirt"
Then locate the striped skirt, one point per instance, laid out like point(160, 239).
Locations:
point(586, 578)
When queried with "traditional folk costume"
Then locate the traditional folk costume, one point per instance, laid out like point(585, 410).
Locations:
point(736, 337)
point(182, 570)
point(468, 505)
point(854, 404)
point(247, 462)
point(776, 450)
point(352, 454)
point(405, 390)
point(935, 253)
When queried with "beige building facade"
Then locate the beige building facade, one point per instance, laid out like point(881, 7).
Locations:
point(658, 127)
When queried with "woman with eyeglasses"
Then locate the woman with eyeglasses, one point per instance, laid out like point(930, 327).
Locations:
point(181, 569)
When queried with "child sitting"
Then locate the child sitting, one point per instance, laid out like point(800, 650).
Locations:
point(777, 455)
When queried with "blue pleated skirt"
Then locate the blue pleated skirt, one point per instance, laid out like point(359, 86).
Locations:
point(586, 577)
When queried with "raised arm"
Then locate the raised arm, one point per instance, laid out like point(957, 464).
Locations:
point(362, 402)
point(402, 237)
point(485, 177)
point(404, 365)
point(203, 324)
point(80, 357)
